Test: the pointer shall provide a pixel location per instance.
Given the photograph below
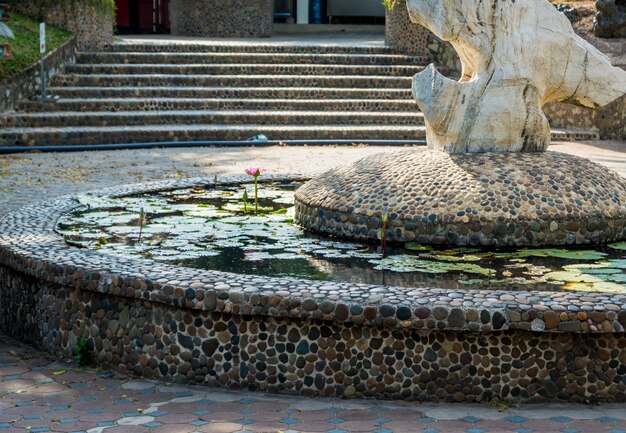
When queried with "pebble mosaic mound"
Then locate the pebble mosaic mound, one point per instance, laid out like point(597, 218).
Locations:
point(302, 336)
point(493, 199)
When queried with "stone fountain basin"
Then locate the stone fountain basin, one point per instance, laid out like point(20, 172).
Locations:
point(296, 336)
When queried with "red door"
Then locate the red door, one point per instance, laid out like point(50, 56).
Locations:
point(145, 14)
point(142, 16)
point(164, 18)
point(122, 14)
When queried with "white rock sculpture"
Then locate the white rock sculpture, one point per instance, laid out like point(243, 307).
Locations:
point(517, 55)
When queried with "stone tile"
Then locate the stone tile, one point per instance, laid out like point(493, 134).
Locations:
point(185, 408)
point(220, 427)
point(12, 371)
point(312, 415)
point(178, 418)
point(359, 426)
point(405, 425)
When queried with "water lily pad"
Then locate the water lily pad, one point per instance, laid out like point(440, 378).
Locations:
point(364, 255)
point(591, 269)
point(618, 246)
point(618, 263)
point(286, 256)
point(597, 287)
point(554, 252)
point(414, 246)
point(256, 256)
point(471, 282)
point(406, 263)
point(572, 277)
point(451, 258)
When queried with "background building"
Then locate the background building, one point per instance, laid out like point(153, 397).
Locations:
point(183, 17)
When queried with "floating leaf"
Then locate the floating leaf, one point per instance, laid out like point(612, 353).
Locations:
point(451, 258)
point(572, 277)
point(553, 252)
point(618, 246)
point(472, 282)
point(591, 270)
point(618, 263)
point(414, 246)
point(406, 263)
point(599, 287)
point(456, 251)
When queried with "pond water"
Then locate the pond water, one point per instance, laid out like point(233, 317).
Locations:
point(214, 228)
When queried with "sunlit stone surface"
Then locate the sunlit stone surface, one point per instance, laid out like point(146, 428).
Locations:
point(516, 56)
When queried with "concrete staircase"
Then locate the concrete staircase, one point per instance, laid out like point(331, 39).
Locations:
point(167, 91)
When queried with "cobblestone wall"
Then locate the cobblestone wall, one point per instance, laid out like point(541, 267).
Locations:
point(92, 27)
point(410, 38)
point(311, 357)
point(28, 82)
point(404, 35)
point(610, 120)
point(233, 18)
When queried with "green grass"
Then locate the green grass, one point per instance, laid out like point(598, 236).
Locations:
point(391, 4)
point(25, 46)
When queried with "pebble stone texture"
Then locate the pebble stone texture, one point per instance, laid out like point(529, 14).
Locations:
point(403, 35)
point(233, 18)
point(26, 84)
point(312, 338)
point(92, 27)
point(51, 396)
point(499, 199)
point(610, 19)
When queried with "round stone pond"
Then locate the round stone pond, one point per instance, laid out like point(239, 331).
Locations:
point(217, 293)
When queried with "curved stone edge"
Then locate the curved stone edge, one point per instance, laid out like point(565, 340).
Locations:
point(308, 216)
point(29, 245)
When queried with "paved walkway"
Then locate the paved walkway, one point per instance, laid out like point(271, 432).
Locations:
point(38, 394)
point(374, 38)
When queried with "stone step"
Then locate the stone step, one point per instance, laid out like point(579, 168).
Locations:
point(168, 133)
point(298, 93)
point(133, 80)
point(249, 58)
point(574, 135)
point(158, 104)
point(241, 69)
point(177, 133)
point(209, 117)
point(244, 47)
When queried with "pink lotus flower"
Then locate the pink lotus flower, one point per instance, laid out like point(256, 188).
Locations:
point(254, 171)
